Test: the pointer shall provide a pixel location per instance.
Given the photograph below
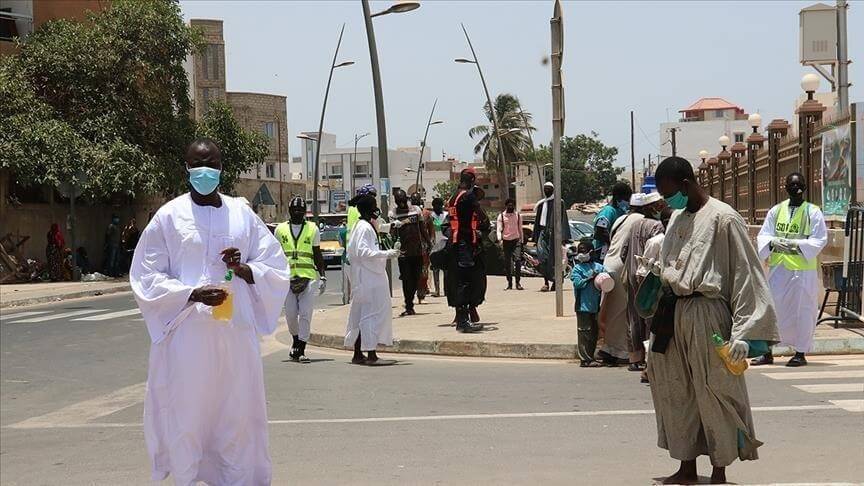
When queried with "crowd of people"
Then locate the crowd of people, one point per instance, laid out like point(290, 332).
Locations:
point(118, 248)
point(666, 275)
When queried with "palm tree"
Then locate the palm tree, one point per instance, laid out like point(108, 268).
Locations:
point(514, 126)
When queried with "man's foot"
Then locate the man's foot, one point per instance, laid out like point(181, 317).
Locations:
point(686, 474)
point(607, 359)
point(797, 360)
point(436, 294)
point(644, 377)
point(407, 312)
point(304, 359)
point(466, 326)
point(519, 286)
point(552, 288)
point(509, 287)
point(544, 288)
point(765, 359)
point(636, 367)
point(358, 360)
point(718, 475)
point(589, 363)
point(473, 315)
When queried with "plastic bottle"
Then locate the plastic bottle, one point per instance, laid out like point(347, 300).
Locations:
point(722, 347)
point(225, 310)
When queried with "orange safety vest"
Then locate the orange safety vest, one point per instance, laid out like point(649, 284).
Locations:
point(454, 220)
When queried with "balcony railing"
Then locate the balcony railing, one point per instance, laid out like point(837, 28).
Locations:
point(14, 25)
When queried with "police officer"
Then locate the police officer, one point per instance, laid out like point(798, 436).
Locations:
point(301, 242)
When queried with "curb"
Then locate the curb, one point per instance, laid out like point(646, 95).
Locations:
point(481, 349)
point(6, 303)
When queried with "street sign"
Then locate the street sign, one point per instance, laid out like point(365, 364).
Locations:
point(385, 185)
point(338, 196)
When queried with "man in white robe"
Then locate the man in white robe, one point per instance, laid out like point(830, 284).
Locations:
point(791, 238)
point(370, 320)
point(205, 416)
point(716, 286)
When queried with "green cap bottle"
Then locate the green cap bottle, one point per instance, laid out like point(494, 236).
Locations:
point(230, 274)
point(718, 341)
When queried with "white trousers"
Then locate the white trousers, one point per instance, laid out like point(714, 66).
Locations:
point(298, 311)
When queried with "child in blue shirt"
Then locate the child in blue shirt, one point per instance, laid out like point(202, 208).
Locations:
point(587, 303)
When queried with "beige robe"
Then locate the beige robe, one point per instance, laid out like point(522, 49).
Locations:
point(613, 313)
point(701, 408)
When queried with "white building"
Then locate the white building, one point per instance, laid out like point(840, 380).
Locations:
point(338, 163)
point(701, 124)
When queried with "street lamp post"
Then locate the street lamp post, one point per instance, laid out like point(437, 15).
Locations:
point(354, 163)
point(500, 151)
point(808, 113)
point(722, 158)
point(423, 146)
point(315, 209)
point(703, 168)
point(754, 144)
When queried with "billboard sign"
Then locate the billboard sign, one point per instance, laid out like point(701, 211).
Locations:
point(837, 172)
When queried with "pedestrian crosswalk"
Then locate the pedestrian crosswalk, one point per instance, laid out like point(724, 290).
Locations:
point(67, 315)
point(838, 380)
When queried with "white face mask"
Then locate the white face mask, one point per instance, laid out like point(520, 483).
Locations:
point(583, 257)
point(374, 222)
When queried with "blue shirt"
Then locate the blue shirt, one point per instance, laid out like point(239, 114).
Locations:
point(587, 295)
point(605, 219)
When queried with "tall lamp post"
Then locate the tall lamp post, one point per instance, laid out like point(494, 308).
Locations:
point(423, 146)
point(703, 168)
point(808, 113)
point(754, 144)
point(500, 151)
point(357, 138)
point(333, 65)
point(383, 166)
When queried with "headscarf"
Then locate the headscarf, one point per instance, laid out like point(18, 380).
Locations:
point(55, 237)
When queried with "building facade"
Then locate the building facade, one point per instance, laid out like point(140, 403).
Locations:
point(268, 187)
point(18, 18)
point(699, 127)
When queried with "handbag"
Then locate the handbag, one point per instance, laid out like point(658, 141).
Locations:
point(299, 284)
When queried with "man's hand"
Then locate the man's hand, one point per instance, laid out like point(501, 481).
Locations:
point(392, 253)
point(208, 295)
point(738, 350)
point(231, 257)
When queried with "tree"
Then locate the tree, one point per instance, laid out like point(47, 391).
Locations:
point(241, 150)
point(514, 126)
point(107, 100)
point(587, 170)
point(445, 189)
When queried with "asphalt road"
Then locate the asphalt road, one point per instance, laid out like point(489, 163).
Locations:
point(70, 413)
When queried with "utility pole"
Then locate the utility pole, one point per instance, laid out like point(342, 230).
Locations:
point(632, 155)
point(842, 60)
point(673, 130)
point(556, 25)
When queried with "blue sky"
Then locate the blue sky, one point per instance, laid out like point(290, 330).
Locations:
point(651, 57)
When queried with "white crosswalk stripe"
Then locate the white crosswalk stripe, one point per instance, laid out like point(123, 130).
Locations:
point(850, 405)
point(53, 317)
point(110, 315)
point(816, 375)
point(832, 388)
point(18, 315)
point(824, 375)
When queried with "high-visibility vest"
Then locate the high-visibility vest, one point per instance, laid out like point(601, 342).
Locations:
point(299, 253)
point(454, 220)
point(794, 227)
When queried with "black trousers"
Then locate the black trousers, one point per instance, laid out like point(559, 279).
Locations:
point(586, 331)
point(512, 260)
point(409, 272)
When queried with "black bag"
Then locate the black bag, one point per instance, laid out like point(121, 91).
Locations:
point(299, 284)
point(663, 322)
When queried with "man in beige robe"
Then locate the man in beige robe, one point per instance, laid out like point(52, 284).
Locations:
point(709, 263)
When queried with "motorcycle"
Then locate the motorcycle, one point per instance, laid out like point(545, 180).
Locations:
point(533, 267)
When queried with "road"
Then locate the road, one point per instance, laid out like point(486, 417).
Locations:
point(73, 382)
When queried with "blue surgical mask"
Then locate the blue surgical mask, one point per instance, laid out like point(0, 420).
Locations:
point(677, 201)
point(204, 180)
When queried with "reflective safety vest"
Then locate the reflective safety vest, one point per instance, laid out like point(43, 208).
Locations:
point(454, 220)
point(299, 250)
point(794, 227)
point(353, 217)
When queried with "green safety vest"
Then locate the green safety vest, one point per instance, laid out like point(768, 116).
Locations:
point(353, 217)
point(299, 252)
point(796, 227)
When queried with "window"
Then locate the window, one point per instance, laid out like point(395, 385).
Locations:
point(739, 137)
point(270, 130)
point(719, 113)
point(210, 62)
point(336, 170)
point(271, 170)
point(361, 170)
point(205, 100)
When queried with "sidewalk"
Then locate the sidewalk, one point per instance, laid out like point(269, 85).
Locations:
point(14, 295)
point(518, 324)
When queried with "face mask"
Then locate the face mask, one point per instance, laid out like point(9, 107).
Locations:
point(657, 215)
point(583, 257)
point(297, 218)
point(794, 190)
point(677, 201)
point(204, 179)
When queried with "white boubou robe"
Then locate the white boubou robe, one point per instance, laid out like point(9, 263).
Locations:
point(795, 292)
point(371, 312)
point(205, 416)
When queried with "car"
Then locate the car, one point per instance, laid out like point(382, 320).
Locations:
point(580, 229)
point(331, 245)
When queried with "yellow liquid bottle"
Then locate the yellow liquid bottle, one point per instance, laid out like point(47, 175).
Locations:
point(722, 347)
point(225, 310)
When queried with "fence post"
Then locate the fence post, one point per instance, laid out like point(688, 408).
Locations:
point(809, 113)
point(738, 150)
point(754, 145)
point(722, 159)
point(777, 129)
point(712, 163)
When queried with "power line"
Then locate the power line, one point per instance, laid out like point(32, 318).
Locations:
point(646, 135)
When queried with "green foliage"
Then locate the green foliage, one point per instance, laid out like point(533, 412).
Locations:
point(108, 100)
point(445, 189)
point(587, 170)
point(241, 150)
